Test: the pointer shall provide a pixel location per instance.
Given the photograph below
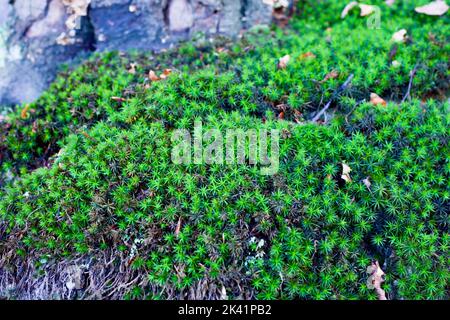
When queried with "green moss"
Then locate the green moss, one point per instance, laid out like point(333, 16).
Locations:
point(103, 176)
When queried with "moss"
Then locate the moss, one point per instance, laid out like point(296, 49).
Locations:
point(95, 172)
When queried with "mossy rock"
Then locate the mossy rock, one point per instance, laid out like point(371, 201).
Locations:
point(93, 172)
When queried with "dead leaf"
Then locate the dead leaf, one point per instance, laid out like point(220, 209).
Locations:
point(283, 61)
point(152, 76)
point(376, 100)
point(376, 278)
point(118, 99)
point(331, 75)
point(367, 183)
point(281, 115)
point(177, 230)
point(346, 173)
point(308, 55)
point(132, 69)
point(399, 36)
point(347, 8)
point(366, 9)
point(24, 112)
point(165, 73)
point(435, 8)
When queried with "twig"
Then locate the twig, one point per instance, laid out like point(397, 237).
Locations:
point(339, 90)
point(411, 77)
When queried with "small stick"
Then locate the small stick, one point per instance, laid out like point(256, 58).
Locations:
point(412, 74)
point(339, 90)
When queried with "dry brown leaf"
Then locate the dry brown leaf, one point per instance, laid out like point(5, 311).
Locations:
point(376, 278)
point(308, 55)
point(331, 75)
point(435, 8)
point(366, 9)
point(283, 61)
point(347, 8)
point(376, 100)
point(24, 112)
point(152, 76)
point(346, 173)
point(399, 36)
point(165, 73)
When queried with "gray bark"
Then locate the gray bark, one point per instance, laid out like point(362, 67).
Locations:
point(36, 36)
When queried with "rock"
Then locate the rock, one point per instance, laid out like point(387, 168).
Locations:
point(118, 28)
point(180, 15)
point(36, 36)
point(30, 56)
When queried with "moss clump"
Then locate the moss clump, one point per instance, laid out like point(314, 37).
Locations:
point(119, 185)
point(108, 181)
point(247, 73)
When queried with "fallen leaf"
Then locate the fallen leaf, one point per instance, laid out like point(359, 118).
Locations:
point(347, 8)
point(308, 55)
point(435, 8)
point(177, 230)
point(346, 173)
point(24, 112)
point(283, 61)
point(132, 69)
point(366, 9)
point(367, 183)
point(152, 76)
point(376, 278)
point(331, 75)
point(118, 99)
point(399, 36)
point(165, 73)
point(281, 115)
point(376, 100)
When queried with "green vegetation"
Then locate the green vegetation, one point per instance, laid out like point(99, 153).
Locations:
point(90, 165)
